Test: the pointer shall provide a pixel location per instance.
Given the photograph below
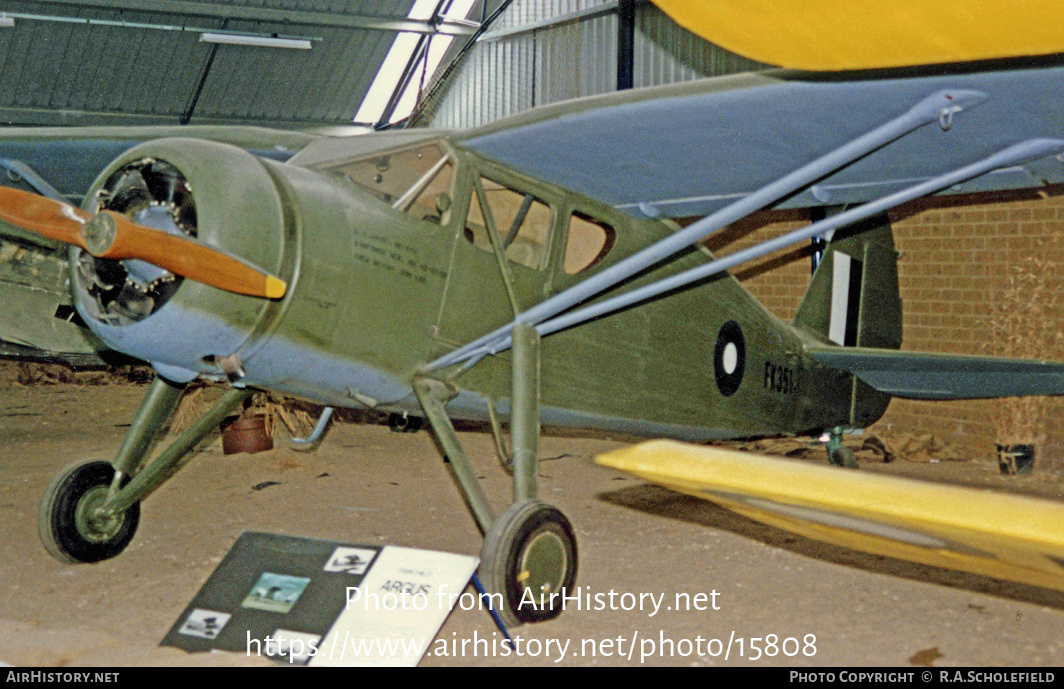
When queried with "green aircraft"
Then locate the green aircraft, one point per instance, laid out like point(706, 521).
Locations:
point(526, 271)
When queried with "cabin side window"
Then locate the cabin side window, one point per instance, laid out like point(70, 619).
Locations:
point(588, 243)
point(522, 223)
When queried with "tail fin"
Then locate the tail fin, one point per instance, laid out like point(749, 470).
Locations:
point(853, 299)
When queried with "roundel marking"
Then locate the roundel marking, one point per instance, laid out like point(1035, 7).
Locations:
point(729, 358)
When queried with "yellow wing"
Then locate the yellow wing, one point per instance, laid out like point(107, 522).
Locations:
point(992, 534)
point(868, 34)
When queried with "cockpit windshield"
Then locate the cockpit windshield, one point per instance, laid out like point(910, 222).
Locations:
point(411, 179)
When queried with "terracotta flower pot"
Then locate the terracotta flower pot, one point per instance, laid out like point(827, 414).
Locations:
point(245, 433)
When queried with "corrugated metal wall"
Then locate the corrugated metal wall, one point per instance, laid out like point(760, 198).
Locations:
point(545, 51)
point(666, 53)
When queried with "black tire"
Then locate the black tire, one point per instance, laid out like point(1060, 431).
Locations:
point(67, 532)
point(529, 554)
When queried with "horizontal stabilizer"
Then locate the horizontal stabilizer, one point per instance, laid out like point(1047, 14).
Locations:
point(918, 375)
point(992, 534)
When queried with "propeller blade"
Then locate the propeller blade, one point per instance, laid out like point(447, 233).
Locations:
point(113, 236)
point(41, 215)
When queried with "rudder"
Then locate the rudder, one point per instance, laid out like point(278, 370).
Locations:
point(853, 301)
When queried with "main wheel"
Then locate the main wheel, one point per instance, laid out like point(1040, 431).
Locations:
point(70, 529)
point(529, 557)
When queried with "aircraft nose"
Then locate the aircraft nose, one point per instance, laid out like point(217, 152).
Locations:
point(114, 236)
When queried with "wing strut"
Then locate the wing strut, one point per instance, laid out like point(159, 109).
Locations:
point(1018, 154)
point(19, 169)
point(939, 107)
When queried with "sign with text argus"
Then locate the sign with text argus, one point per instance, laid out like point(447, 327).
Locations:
point(305, 601)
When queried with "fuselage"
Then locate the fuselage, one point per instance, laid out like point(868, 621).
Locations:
point(400, 249)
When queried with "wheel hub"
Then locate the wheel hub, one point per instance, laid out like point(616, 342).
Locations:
point(93, 523)
point(543, 564)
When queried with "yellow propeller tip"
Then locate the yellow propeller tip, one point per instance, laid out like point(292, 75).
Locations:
point(275, 287)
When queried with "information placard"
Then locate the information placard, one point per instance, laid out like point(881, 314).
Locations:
point(306, 601)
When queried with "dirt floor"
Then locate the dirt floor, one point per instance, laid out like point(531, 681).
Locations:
point(368, 485)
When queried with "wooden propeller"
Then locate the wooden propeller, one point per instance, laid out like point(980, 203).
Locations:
point(114, 236)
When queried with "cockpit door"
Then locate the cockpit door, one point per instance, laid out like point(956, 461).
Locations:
point(502, 254)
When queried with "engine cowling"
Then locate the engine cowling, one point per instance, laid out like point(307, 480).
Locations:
point(224, 197)
point(334, 336)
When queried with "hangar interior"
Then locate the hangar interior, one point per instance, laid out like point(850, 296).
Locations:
point(979, 274)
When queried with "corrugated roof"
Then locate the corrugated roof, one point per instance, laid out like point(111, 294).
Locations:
point(143, 62)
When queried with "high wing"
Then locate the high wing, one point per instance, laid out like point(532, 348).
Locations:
point(689, 149)
point(992, 534)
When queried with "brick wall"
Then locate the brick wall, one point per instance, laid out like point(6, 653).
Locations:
point(978, 275)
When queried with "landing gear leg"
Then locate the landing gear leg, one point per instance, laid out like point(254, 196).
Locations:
point(433, 395)
point(529, 558)
point(838, 454)
point(91, 509)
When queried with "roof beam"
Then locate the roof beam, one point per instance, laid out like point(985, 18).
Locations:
point(220, 11)
point(37, 117)
point(595, 12)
